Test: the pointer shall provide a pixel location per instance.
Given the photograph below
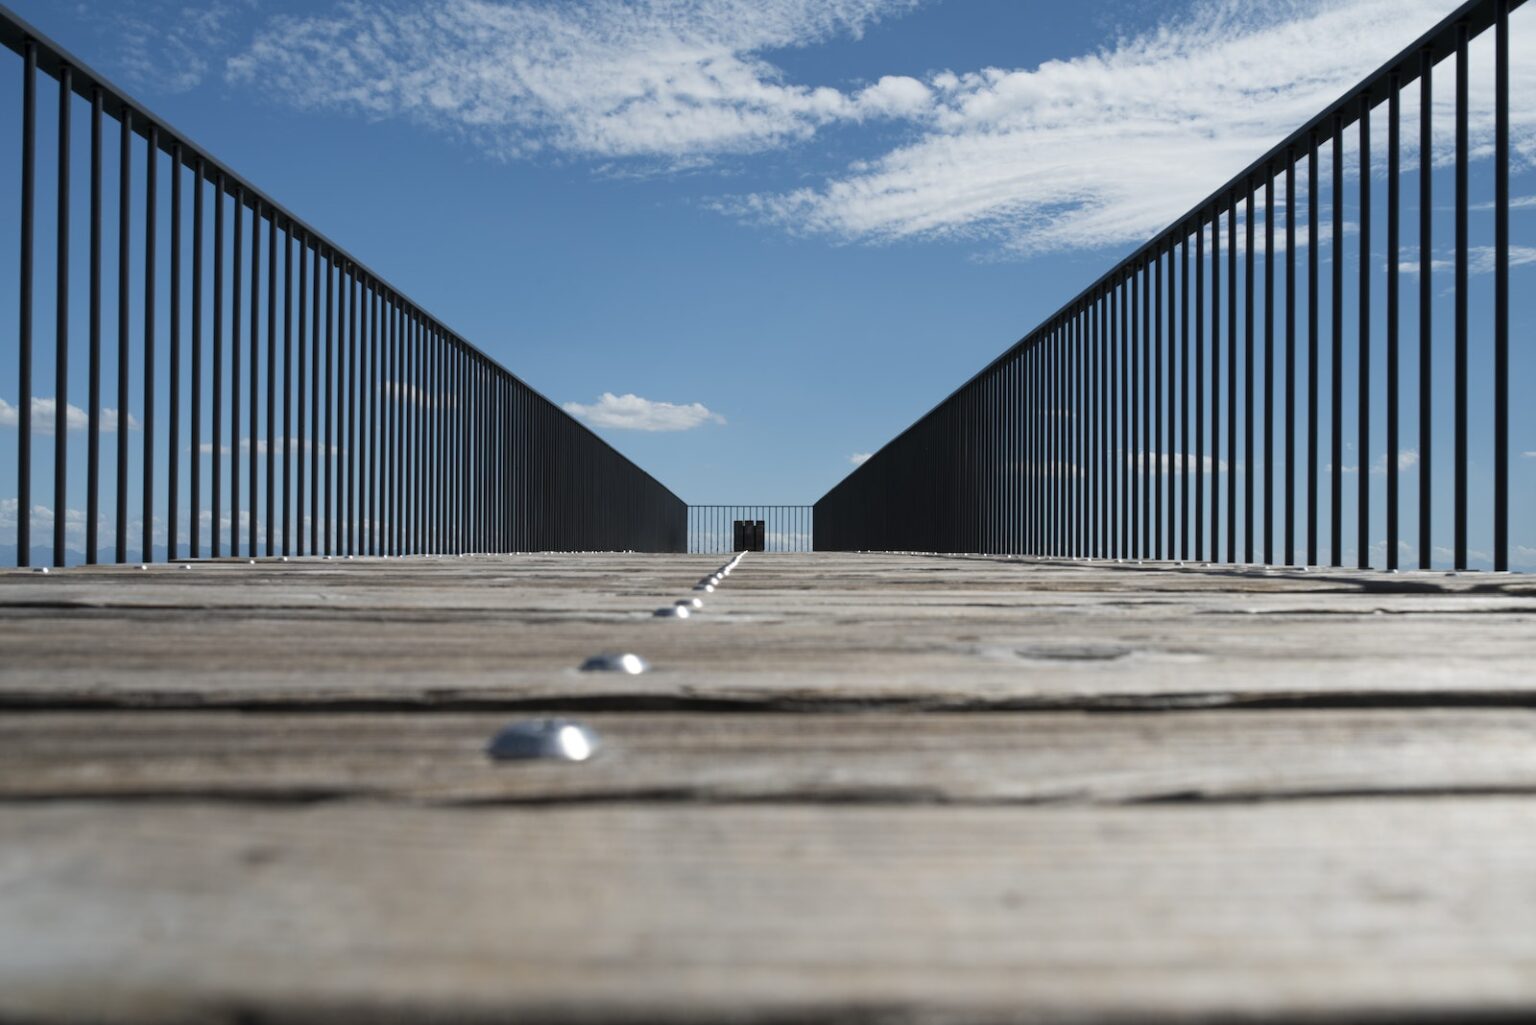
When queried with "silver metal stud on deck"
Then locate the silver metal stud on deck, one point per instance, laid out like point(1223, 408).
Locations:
point(690, 603)
point(673, 612)
point(559, 740)
point(616, 662)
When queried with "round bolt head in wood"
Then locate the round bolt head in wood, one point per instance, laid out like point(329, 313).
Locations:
point(559, 740)
point(616, 662)
point(673, 612)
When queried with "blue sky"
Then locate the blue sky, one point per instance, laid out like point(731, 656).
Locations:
point(773, 232)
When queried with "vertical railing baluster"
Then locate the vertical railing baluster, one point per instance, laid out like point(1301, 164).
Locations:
point(124, 312)
point(1184, 388)
point(24, 306)
point(1159, 452)
point(151, 229)
point(1215, 474)
point(271, 415)
point(1231, 469)
point(195, 456)
point(1426, 301)
point(306, 444)
point(1269, 364)
point(1394, 204)
point(1199, 454)
point(1312, 349)
point(1290, 355)
point(1363, 370)
point(61, 326)
point(253, 431)
point(1336, 372)
point(236, 283)
point(93, 441)
point(1460, 435)
point(215, 529)
point(1248, 340)
point(329, 507)
point(288, 484)
point(173, 448)
point(1501, 287)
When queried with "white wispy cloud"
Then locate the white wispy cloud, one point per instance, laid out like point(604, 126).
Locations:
point(1108, 147)
point(77, 419)
point(169, 45)
point(860, 458)
point(1480, 260)
point(1093, 149)
point(677, 80)
point(632, 413)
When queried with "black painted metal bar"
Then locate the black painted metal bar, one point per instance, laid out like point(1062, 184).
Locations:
point(24, 307)
point(1198, 459)
point(61, 328)
point(1269, 367)
point(1426, 303)
point(288, 484)
point(934, 486)
point(173, 450)
point(1501, 290)
point(271, 416)
point(151, 231)
point(124, 265)
point(1394, 244)
point(1248, 340)
point(1215, 474)
point(1290, 359)
point(237, 253)
point(1231, 471)
point(1336, 372)
point(195, 458)
point(1363, 364)
point(1459, 495)
point(216, 460)
point(378, 424)
point(1312, 352)
point(93, 438)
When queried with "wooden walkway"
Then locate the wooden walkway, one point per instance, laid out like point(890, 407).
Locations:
point(861, 788)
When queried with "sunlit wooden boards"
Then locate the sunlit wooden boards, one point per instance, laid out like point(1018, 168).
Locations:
point(853, 788)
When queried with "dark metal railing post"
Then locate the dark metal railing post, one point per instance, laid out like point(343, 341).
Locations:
point(1460, 434)
point(1363, 367)
point(93, 438)
point(1426, 301)
point(61, 328)
point(1501, 289)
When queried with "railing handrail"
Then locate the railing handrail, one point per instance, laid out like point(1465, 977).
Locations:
point(16, 32)
point(1439, 42)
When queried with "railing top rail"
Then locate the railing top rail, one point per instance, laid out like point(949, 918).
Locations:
point(16, 32)
point(1439, 43)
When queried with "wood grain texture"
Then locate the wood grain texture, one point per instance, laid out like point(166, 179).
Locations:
point(902, 630)
point(855, 788)
point(154, 913)
point(853, 758)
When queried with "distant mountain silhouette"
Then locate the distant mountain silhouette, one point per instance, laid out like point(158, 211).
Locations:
point(42, 555)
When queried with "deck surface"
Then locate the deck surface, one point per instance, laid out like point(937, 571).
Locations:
point(853, 788)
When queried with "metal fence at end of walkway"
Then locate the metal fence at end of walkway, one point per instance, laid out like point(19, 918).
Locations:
point(786, 528)
point(1335, 392)
point(248, 386)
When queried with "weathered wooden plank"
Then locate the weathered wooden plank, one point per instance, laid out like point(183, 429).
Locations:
point(848, 758)
point(784, 630)
point(1404, 908)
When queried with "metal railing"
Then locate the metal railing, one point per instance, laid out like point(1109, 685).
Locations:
point(1115, 430)
point(787, 528)
point(329, 415)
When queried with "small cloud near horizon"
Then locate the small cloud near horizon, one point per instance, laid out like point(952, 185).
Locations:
point(860, 458)
point(630, 412)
